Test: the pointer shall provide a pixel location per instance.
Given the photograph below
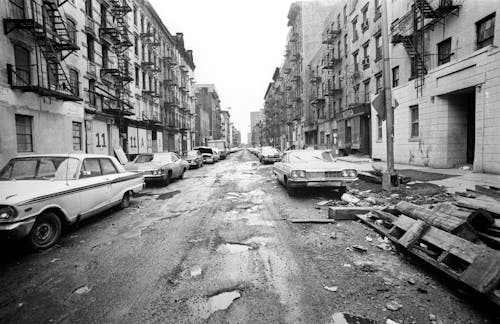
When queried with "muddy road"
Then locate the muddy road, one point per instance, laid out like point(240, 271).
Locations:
point(216, 247)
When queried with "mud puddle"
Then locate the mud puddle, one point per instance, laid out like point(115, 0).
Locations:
point(205, 308)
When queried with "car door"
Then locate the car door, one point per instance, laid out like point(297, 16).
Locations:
point(278, 167)
point(96, 188)
point(176, 165)
point(111, 174)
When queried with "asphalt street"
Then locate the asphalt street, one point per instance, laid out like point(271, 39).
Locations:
point(216, 247)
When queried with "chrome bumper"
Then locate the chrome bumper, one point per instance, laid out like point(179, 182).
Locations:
point(16, 230)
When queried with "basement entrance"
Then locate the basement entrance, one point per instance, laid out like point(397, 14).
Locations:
point(461, 126)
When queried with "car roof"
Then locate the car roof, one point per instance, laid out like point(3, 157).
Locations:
point(71, 155)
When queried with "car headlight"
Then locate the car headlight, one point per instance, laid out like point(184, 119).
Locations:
point(7, 212)
point(349, 173)
point(298, 174)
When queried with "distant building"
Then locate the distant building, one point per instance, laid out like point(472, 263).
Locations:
point(225, 126)
point(207, 113)
point(257, 119)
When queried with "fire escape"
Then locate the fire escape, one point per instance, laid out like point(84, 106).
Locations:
point(409, 31)
point(53, 43)
point(117, 36)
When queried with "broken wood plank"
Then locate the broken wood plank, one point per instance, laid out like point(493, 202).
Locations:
point(312, 220)
point(346, 213)
point(414, 233)
point(445, 222)
point(483, 274)
point(388, 217)
point(489, 191)
point(490, 240)
point(492, 207)
point(479, 218)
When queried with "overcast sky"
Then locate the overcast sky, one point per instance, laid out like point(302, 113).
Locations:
point(236, 45)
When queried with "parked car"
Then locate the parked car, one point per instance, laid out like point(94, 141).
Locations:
point(270, 155)
point(261, 149)
point(217, 156)
point(194, 158)
point(161, 167)
point(221, 146)
point(41, 193)
point(207, 153)
point(312, 168)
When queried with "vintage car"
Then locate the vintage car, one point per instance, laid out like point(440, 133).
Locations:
point(270, 155)
point(208, 153)
point(194, 159)
point(161, 167)
point(41, 193)
point(312, 168)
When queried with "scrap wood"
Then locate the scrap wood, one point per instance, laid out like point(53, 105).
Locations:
point(370, 177)
point(445, 222)
point(312, 220)
point(489, 191)
point(347, 213)
point(475, 265)
point(479, 218)
point(492, 207)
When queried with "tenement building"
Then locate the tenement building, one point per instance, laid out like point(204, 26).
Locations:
point(92, 76)
point(208, 113)
point(446, 79)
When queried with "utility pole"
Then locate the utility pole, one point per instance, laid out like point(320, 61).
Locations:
point(389, 177)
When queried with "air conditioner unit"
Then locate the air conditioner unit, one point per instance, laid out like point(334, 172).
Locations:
point(364, 24)
point(365, 61)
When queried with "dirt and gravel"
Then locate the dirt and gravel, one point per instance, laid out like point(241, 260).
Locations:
point(216, 247)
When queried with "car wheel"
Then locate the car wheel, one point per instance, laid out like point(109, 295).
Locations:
point(182, 174)
point(342, 190)
point(125, 200)
point(45, 232)
point(166, 178)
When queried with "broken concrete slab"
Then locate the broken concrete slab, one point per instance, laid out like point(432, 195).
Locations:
point(350, 198)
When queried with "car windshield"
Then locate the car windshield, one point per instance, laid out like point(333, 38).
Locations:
point(143, 158)
point(40, 168)
point(310, 156)
point(162, 157)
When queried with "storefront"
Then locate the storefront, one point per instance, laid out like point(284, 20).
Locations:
point(354, 130)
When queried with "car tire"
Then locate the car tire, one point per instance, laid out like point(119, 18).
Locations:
point(166, 179)
point(291, 191)
point(182, 174)
point(125, 200)
point(45, 232)
point(342, 190)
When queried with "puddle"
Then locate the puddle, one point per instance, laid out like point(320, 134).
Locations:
point(216, 303)
point(342, 318)
point(167, 195)
point(195, 271)
point(259, 222)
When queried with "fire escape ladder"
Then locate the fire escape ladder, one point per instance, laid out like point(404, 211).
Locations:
point(62, 38)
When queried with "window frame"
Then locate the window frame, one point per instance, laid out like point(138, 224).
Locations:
point(395, 81)
point(414, 108)
point(79, 137)
point(18, 118)
point(444, 58)
point(489, 40)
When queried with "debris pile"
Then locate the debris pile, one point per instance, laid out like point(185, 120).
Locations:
point(460, 238)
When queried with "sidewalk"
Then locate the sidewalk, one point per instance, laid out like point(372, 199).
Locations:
point(460, 180)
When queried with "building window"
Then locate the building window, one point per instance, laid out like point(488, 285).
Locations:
point(24, 133)
point(72, 32)
point(143, 52)
point(137, 76)
point(379, 128)
point(23, 68)
point(356, 94)
point(444, 51)
point(395, 76)
point(136, 45)
point(354, 30)
point(92, 96)
point(74, 82)
point(366, 85)
point(77, 136)
point(414, 121)
point(345, 45)
point(345, 14)
point(378, 47)
point(142, 24)
point(88, 7)
point(135, 15)
point(90, 48)
point(355, 62)
point(485, 30)
point(143, 80)
point(364, 23)
point(378, 83)
point(366, 56)
point(105, 57)
point(378, 12)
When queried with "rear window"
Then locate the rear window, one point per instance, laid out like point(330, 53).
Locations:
point(143, 158)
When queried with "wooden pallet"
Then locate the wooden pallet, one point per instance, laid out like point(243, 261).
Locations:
point(475, 265)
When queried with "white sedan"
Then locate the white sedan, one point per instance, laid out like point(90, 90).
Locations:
point(159, 166)
point(312, 168)
point(41, 193)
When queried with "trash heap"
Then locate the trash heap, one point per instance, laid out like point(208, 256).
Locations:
point(459, 237)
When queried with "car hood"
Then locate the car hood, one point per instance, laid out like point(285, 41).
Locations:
point(144, 166)
point(316, 166)
point(14, 191)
